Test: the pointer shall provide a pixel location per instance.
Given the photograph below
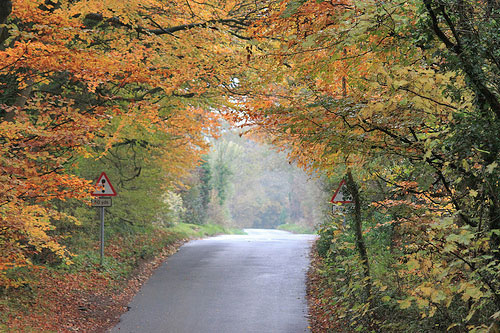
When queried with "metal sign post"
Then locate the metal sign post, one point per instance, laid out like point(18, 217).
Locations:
point(102, 235)
point(103, 193)
point(342, 208)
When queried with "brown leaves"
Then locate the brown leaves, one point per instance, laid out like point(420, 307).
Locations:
point(324, 316)
point(86, 300)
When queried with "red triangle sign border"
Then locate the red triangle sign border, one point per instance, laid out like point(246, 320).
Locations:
point(342, 183)
point(97, 194)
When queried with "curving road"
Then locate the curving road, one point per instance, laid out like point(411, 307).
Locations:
point(227, 284)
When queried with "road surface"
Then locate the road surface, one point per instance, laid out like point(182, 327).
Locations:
point(227, 284)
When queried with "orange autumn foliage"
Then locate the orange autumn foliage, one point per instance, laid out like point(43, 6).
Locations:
point(79, 77)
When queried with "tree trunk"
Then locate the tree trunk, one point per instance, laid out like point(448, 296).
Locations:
point(5, 10)
point(358, 231)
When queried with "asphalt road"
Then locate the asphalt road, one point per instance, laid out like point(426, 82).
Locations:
point(227, 284)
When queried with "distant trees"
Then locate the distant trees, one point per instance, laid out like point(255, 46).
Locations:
point(195, 193)
point(265, 191)
point(244, 183)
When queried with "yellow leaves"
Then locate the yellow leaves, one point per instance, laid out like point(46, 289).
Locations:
point(426, 297)
point(406, 303)
point(26, 224)
point(386, 299)
point(422, 303)
point(399, 84)
point(426, 290)
point(473, 193)
point(438, 296)
point(470, 291)
point(490, 168)
point(413, 264)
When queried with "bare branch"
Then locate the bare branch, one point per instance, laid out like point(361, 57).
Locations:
point(234, 23)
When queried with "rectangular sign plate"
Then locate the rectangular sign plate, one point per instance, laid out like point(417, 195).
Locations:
point(101, 202)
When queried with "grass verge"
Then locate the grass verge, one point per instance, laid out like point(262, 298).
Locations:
point(296, 229)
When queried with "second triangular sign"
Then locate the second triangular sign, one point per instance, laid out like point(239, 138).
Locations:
point(341, 196)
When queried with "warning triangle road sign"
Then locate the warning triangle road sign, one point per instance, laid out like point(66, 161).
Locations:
point(341, 195)
point(103, 187)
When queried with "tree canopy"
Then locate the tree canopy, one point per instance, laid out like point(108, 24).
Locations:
point(402, 97)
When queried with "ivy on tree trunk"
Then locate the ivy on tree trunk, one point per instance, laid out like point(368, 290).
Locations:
point(358, 231)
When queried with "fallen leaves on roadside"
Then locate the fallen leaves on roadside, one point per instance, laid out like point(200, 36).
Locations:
point(323, 317)
point(83, 301)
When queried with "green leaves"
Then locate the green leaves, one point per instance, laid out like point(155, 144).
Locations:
point(464, 237)
point(292, 8)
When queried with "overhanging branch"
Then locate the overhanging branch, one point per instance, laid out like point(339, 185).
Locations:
point(234, 23)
